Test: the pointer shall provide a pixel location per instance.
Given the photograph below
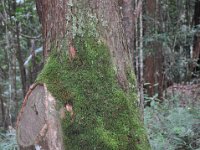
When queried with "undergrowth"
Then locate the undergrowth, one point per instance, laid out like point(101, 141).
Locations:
point(106, 117)
point(8, 140)
point(171, 127)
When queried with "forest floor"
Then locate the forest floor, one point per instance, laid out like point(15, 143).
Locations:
point(188, 94)
point(171, 125)
point(175, 123)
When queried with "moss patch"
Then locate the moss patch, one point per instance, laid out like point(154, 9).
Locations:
point(106, 118)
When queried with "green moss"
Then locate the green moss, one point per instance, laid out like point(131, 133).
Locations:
point(106, 118)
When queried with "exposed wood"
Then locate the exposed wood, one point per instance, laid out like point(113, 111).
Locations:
point(38, 122)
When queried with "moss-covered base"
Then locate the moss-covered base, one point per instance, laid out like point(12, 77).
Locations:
point(106, 117)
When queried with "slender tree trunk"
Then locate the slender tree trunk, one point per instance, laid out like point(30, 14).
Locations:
point(34, 69)
point(2, 106)
point(196, 46)
point(149, 61)
point(138, 36)
point(21, 61)
point(141, 82)
point(14, 97)
point(11, 77)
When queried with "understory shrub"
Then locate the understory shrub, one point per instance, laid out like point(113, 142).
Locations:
point(171, 127)
point(8, 140)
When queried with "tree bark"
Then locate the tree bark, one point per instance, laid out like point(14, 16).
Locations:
point(196, 45)
point(52, 17)
point(20, 60)
point(154, 61)
point(96, 83)
point(2, 107)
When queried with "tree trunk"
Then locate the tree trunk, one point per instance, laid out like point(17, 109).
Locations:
point(95, 80)
point(2, 107)
point(20, 60)
point(52, 17)
point(154, 61)
point(39, 110)
point(196, 47)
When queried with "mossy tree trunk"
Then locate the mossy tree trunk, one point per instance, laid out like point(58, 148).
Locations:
point(89, 69)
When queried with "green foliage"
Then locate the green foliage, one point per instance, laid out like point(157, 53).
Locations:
point(106, 117)
point(8, 141)
point(171, 29)
point(24, 14)
point(27, 16)
point(173, 127)
point(176, 46)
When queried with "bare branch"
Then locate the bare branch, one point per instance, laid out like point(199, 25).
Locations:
point(30, 57)
point(31, 37)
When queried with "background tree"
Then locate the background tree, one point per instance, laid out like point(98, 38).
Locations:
point(18, 25)
point(168, 49)
point(154, 57)
point(196, 47)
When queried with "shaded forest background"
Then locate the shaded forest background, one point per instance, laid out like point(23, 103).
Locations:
point(165, 51)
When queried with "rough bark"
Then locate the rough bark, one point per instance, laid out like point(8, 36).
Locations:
point(115, 33)
point(38, 123)
point(118, 32)
point(128, 24)
point(114, 37)
point(196, 45)
point(154, 61)
point(20, 59)
point(103, 93)
point(52, 17)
